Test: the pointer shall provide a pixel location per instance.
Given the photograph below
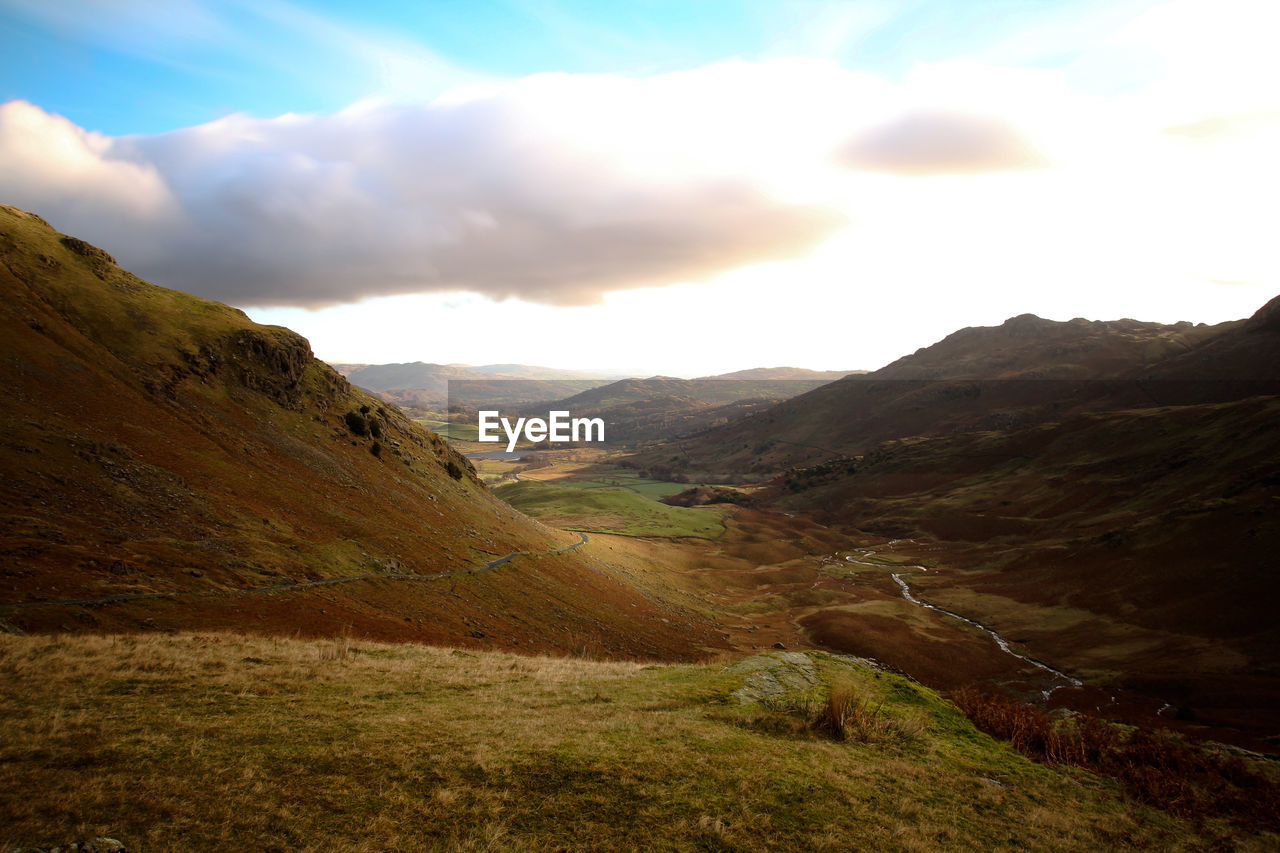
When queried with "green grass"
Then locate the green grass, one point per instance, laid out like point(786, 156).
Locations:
point(602, 477)
point(611, 509)
point(453, 431)
point(189, 742)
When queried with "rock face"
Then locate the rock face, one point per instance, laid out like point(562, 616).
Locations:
point(273, 361)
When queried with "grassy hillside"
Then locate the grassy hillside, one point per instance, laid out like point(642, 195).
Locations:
point(170, 453)
point(219, 741)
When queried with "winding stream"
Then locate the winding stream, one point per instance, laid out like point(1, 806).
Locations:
point(1068, 681)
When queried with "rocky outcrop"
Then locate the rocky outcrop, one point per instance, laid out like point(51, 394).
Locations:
point(272, 361)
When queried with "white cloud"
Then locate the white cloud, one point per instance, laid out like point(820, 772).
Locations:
point(48, 163)
point(554, 188)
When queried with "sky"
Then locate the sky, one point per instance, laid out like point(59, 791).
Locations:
point(679, 188)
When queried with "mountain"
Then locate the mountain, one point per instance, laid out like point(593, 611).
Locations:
point(1246, 351)
point(1030, 347)
point(169, 463)
point(1024, 372)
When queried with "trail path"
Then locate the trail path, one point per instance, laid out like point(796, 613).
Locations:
point(285, 587)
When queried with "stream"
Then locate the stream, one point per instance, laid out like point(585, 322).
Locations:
point(1066, 680)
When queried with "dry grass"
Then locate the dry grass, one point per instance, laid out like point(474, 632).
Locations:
point(847, 715)
point(224, 741)
point(1155, 766)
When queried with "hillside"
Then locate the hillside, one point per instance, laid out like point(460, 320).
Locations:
point(1023, 372)
point(251, 743)
point(1132, 548)
point(180, 466)
point(1111, 516)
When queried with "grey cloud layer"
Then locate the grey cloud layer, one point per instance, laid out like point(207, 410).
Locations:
point(477, 195)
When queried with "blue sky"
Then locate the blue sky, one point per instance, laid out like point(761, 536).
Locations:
point(389, 178)
point(150, 67)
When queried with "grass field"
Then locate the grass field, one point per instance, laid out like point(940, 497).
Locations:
point(612, 476)
point(612, 509)
point(449, 430)
point(590, 471)
point(221, 741)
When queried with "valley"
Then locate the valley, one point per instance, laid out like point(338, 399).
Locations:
point(565, 427)
point(188, 491)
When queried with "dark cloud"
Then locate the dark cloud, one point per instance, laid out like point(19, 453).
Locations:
point(485, 195)
point(940, 142)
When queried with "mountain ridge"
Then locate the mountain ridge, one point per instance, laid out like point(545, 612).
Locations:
point(1026, 370)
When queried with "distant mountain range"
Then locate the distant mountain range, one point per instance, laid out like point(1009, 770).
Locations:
point(664, 407)
point(426, 386)
point(422, 385)
point(798, 373)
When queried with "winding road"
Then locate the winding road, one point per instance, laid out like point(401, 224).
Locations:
point(285, 587)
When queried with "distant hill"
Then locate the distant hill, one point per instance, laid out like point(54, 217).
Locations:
point(166, 461)
point(423, 376)
point(423, 385)
point(661, 407)
point(786, 373)
point(1029, 347)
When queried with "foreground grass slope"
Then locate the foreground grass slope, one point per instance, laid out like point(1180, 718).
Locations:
point(222, 741)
